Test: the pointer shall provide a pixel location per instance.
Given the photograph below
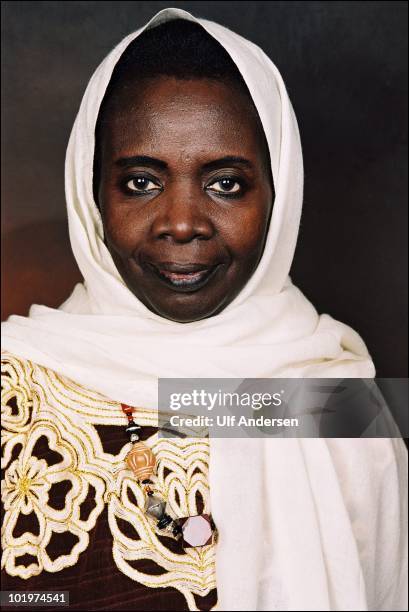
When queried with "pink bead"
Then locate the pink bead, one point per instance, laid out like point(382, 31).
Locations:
point(196, 530)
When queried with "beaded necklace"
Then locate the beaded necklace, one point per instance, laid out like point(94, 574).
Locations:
point(194, 531)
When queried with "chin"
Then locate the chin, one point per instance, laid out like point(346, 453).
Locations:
point(183, 312)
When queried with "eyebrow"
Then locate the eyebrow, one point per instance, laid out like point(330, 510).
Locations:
point(227, 160)
point(145, 160)
point(141, 160)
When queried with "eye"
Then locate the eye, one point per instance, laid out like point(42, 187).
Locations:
point(226, 186)
point(141, 185)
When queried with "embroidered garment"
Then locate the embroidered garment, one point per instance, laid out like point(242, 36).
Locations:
point(73, 512)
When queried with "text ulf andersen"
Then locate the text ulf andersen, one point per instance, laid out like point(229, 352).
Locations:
point(230, 421)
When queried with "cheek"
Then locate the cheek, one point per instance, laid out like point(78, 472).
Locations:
point(124, 229)
point(247, 234)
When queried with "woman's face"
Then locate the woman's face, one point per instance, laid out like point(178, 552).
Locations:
point(185, 194)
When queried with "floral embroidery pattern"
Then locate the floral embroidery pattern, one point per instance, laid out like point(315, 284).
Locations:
point(41, 407)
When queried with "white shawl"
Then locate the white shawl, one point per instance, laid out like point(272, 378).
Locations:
point(308, 524)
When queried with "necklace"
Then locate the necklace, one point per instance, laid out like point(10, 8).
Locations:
point(194, 531)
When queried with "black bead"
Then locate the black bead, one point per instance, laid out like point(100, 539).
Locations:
point(177, 529)
point(164, 521)
point(132, 427)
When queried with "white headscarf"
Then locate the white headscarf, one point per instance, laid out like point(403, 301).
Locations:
point(278, 546)
point(102, 336)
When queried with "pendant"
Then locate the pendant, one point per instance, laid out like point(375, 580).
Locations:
point(194, 531)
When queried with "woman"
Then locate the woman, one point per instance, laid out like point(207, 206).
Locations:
point(184, 191)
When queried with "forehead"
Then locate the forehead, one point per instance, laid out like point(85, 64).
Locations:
point(165, 114)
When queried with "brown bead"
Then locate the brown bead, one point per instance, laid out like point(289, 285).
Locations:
point(147, 488)
point(141, 461)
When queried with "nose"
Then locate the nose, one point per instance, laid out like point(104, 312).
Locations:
point(182, 217)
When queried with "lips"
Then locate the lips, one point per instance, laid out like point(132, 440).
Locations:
point(184, 277)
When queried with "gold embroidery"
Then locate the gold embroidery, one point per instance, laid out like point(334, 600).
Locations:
point(38, 403)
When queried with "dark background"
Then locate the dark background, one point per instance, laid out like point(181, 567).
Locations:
point(345, 68)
